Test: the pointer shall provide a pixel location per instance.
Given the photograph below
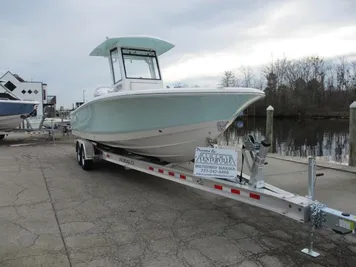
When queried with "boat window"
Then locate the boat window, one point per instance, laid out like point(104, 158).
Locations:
point(140, 64)
point(114, 55)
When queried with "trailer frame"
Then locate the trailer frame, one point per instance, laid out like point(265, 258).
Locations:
point(29, 131)
point(252, 190)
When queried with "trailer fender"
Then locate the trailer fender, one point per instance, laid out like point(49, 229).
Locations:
point(88, 148)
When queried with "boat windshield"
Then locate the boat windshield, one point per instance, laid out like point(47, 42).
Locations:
point(140, 64)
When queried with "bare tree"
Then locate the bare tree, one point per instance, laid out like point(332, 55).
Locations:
point(317, 69)
point(341, 74)
point(239, 82)
point(353, 75)
point(260, 82)
point(310, 86)
point(279, 68)
point(330, 78)
point(247, 76)
point(179, 85)
point(228, 79)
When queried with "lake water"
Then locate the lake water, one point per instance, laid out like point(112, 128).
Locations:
point(327, 140)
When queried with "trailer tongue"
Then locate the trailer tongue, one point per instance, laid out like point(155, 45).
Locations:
point(215, 170)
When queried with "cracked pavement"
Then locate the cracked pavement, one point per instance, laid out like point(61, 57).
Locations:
point(52, 213)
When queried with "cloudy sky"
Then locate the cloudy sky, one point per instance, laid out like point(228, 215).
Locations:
point(50, 40)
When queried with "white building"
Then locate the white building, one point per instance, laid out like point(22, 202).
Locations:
point(29, 90)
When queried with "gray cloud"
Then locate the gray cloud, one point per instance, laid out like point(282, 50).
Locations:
point(51, 40)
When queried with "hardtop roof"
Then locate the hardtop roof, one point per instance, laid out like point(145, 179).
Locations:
point(140, 42)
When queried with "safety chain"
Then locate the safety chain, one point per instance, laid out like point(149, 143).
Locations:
point(316, 214)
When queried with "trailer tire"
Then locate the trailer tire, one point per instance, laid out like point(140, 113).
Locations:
point(2, 136)
point(86, 164)
point(79, 154)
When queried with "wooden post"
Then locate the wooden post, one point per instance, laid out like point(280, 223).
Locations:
point(269, 126)
point(352, 135)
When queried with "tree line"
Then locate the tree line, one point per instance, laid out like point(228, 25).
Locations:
point(306, 87)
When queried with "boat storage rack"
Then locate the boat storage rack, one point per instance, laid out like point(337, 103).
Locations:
point(252, 189)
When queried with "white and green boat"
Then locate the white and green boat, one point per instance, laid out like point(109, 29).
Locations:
point(138, 114)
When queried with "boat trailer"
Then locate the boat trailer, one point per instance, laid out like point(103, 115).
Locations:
point(31, 131)
point(252, 189)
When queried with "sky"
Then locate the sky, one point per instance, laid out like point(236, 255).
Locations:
point(50, 41)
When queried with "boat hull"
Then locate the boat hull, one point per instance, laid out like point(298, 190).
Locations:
point(10, 122)
point(166, 126)
point(176, 144)
point(12, 113)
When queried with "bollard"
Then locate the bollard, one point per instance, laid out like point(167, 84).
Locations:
point(352, 135)
point(269, 126)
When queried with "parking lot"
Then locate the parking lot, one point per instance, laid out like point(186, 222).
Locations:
point(52, 213)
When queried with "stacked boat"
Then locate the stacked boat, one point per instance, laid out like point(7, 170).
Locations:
point(13, 110)
point(137, 113)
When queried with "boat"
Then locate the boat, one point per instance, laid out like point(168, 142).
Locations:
point(139, 114)
point(13, 110)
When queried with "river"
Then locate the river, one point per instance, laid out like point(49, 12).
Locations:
point(327, 140)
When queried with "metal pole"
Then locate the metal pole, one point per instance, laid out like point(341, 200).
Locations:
point(53, 138)
point(311, 178)
point(352, 132)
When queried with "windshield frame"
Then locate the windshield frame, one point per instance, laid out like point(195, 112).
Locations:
point(115, 67)
point(152, 54)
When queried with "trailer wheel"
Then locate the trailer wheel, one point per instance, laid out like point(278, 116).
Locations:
point(79, 154)
point(2, 136)
point(85, 163)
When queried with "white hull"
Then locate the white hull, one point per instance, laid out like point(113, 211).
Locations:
point(9, 123)
point(176, 144)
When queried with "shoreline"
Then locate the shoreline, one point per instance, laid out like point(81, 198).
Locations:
point(318, 163)
point(313, 117)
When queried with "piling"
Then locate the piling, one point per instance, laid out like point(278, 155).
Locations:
point(269, 126)
point(352, 135)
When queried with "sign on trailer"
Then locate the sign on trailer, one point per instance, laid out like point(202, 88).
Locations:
point(215, 162)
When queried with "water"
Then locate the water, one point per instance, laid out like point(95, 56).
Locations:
point(327, 140)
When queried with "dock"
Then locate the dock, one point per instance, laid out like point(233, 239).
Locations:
point(52, 213)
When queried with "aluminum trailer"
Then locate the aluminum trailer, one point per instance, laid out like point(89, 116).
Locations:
point(252, 190)
point(29, 131)
point(25, 133)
